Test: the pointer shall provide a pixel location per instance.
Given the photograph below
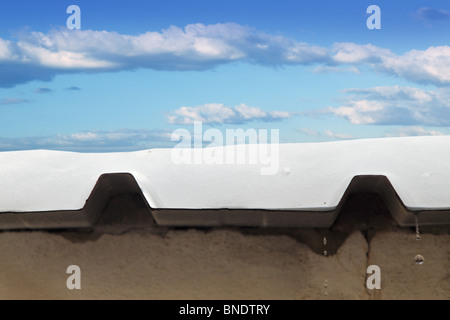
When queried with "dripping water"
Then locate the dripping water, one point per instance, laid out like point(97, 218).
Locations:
point(325, 253)
point(417, 227)
point(419, 259)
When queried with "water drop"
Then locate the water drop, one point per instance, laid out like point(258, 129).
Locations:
point(419, 259)
point(324, 241)
point(417, 227)
point(286, 171)
point(325, 253)
point(325, 286)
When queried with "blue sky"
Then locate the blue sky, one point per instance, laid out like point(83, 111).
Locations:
point(138, 70)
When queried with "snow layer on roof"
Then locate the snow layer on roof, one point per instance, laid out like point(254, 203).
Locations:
point(310, 176)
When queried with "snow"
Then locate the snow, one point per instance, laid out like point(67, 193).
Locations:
point(310, 176)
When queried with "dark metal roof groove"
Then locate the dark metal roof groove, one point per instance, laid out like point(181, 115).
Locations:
point(110, 185)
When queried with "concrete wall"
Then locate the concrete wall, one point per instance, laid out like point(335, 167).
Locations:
point(220, 264)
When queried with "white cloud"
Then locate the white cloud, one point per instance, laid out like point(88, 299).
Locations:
point(327, 133)
point(84, 136)
point(5, 50)
point(249, 113)
point(430, 14)
point(40, 56)
point(360, 112)
point(427, 66)
point(7, 101)
point(395, 93)
point(273, 115)
point(423, 66)
point(89, 141)
point(396, 105)
point(352, 53)
point(340, 136)
point(413, 131)
point(309, 132)
point(218, 113)
point(336, 69)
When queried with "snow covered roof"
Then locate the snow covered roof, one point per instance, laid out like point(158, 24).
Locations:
point(52, 189)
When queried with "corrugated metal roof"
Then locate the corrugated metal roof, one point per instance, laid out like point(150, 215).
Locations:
point(49, 189)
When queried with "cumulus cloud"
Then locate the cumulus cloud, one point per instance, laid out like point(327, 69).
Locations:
point(396, 105)
point(430, 14)
point(7, 101)
point(92, 141)
point(41, 56)
point(423, 66)
point(218, 113)
point(352, 53)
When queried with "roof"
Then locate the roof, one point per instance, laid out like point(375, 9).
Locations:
point(52, 189)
